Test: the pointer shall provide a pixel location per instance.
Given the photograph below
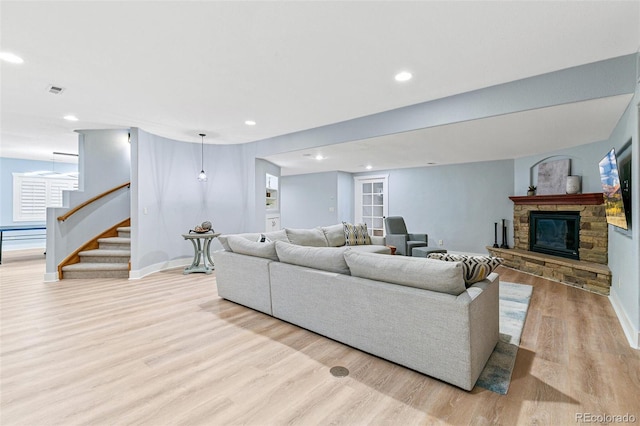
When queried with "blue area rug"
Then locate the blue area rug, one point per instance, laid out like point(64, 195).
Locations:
point(514, 303)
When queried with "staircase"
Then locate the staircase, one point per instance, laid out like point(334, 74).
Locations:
point(110, 260)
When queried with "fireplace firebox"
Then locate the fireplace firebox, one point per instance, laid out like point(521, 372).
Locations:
point(555, 233)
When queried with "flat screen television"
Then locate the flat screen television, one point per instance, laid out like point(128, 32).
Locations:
point(614, 202)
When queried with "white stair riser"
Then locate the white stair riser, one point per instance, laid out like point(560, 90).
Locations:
point(122, 234)
point(95, 274)
point(104, 259)
point(114, 246)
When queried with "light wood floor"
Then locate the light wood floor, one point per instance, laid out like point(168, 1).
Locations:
point(167, 350)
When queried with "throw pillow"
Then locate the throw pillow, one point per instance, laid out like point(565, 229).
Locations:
point(475, 268)
point(356, 235)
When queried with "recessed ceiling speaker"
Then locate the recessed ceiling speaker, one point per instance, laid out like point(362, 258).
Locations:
point(56, 90)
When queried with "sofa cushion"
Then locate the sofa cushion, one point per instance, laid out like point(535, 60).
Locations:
point(280, 235)
point(476, 268)
point(373, 248)
point(307, 237)
point(334, 235)
point(356, 235)
point(254, 236)
point(443, 277)
point(242, 245)
point(324, 258)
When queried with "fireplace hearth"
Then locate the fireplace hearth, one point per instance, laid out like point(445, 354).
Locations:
point(555, 232)
point(590, 271)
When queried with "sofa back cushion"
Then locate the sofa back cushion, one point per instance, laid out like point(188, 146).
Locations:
point(329, 259)
point(443, 277)
point(334, 235)
point(241, 245)
point(280, 235)
point(307, 237)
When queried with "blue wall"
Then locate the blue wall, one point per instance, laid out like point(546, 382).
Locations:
point(449, 203)
point(8, 166)
point(307, 200)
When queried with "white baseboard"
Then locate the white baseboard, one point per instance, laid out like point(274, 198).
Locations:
point(157, 267)
point(51, 277)
point(633, 335)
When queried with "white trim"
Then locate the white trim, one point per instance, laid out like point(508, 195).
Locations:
point(357, 194)
point(633, 335)
point(158, 267)
point(51, 277)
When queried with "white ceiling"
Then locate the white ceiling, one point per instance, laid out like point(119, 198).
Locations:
point(177, 69)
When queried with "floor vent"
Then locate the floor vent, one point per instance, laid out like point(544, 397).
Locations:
point(339, 371)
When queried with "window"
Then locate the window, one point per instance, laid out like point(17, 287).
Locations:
point(32, 195)
point(371, 202)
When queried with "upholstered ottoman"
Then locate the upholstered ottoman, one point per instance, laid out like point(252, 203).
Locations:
point(412, 245)
point(426, 251)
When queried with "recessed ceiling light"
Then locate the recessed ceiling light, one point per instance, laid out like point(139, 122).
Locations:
point(319, 157)
point(369, 167)
point(250, 123)
point(403, 76)
point(10, 57)
point(70, 118)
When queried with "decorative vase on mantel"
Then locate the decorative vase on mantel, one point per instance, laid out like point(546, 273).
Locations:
point(573, 184)
point(531, 191)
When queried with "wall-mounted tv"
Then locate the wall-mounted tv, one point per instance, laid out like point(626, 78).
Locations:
point(614, 202)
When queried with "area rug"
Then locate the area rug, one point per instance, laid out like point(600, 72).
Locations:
point(514, 303)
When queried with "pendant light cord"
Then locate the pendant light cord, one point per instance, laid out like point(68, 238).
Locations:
point(202, 135)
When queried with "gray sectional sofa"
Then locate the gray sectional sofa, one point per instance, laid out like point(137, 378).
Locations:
point(415, 312)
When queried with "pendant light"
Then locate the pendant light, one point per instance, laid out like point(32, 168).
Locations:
point(202, 177)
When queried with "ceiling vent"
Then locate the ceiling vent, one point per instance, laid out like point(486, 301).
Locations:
point(56, 90)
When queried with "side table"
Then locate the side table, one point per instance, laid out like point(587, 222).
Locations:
point(201, 245)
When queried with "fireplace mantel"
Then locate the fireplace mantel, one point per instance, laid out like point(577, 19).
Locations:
point(591, 199)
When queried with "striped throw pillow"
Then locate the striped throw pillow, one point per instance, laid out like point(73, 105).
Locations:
point(356, 235)
point(474, 268)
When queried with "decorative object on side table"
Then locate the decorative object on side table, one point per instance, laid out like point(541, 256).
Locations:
point(495, 235)
point(202, 228)
point(532, 190)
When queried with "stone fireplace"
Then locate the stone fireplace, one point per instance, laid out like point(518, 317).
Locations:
point(588, 268)
point(555, 232)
